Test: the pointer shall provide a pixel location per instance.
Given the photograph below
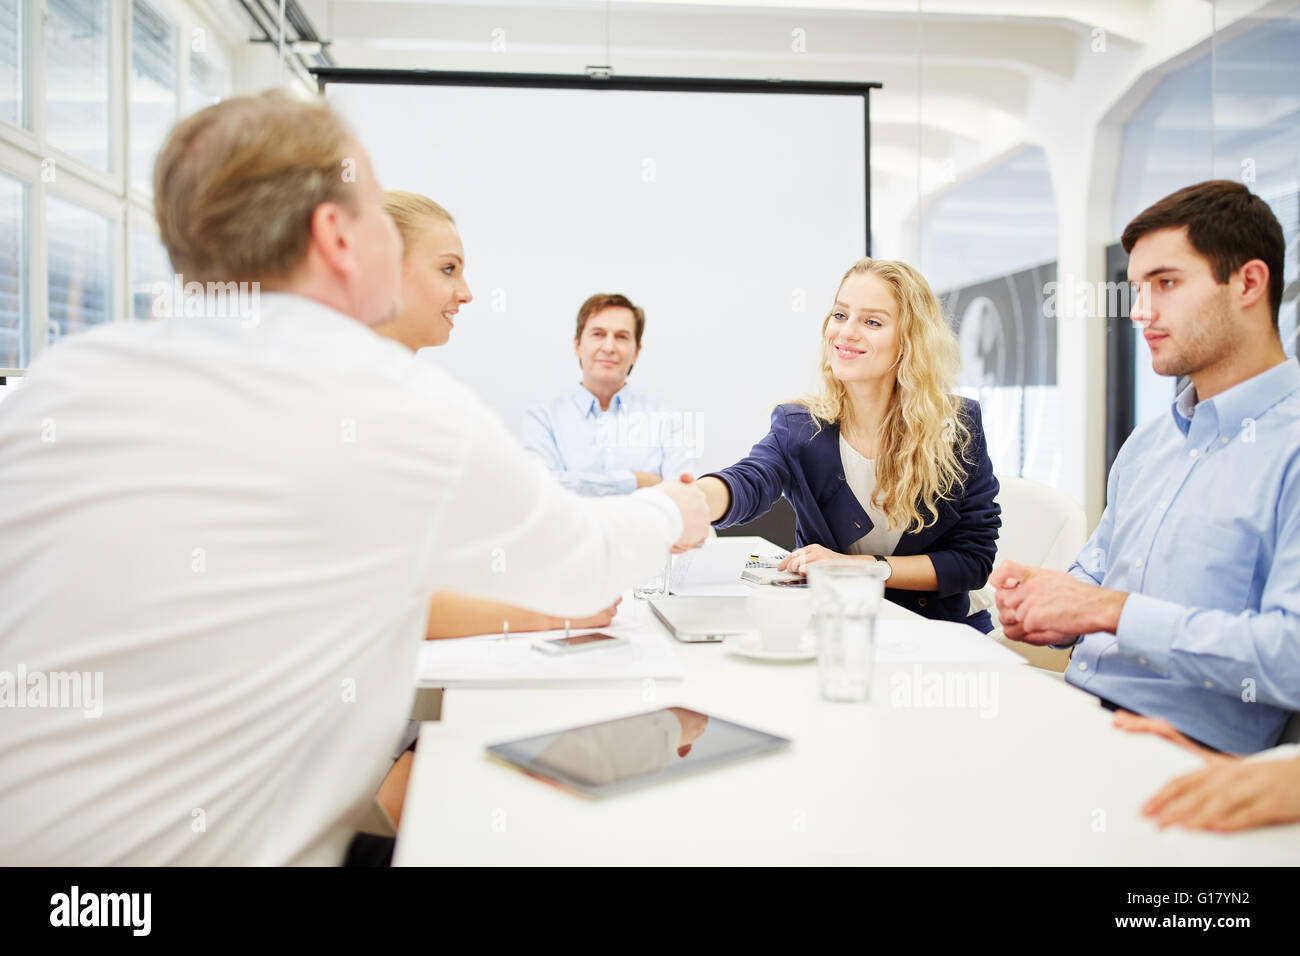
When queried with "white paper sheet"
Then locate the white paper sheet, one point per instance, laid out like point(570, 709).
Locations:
point(936, 642)
point(490, 661)
point(715, 568)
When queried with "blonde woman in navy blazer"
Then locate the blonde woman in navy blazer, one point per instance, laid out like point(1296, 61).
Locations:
point(884, 462)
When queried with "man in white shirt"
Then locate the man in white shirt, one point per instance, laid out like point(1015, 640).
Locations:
point(600, 437)
point(231, 526)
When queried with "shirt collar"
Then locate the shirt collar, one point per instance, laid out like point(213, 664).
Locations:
point(587, 404)
point(1244, 401)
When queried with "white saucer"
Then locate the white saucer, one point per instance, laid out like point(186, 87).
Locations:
point(746, 645)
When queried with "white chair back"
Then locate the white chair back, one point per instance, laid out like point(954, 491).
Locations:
point(1040, 526)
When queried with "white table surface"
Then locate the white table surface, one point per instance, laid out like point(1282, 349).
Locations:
point(1041, 778)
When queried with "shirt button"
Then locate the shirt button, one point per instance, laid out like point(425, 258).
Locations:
point(1083, 665)
point(1223, 441)
point(1209, 685)
point(1194, 452)
point(1138, 563)
point(1142, 661)
point(1163, 504)
point(922, 602)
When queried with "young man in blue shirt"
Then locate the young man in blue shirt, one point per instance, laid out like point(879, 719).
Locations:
point(1185, 603)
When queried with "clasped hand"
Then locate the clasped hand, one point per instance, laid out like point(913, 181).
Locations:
point(1038, 606)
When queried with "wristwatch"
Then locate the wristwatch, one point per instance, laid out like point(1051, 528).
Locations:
point(889, 568)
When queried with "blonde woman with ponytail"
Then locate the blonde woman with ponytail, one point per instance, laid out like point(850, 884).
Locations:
point(883, 463)
point(433, 290)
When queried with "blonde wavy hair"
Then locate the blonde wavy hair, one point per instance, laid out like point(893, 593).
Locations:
point(921, 455)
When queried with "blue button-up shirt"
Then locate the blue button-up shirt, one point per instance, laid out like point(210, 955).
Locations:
point(1202, 528)
point(595, 452)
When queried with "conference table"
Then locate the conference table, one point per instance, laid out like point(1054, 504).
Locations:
point(1030, 773)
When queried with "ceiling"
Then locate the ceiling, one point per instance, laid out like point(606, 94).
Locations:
point(965, 82)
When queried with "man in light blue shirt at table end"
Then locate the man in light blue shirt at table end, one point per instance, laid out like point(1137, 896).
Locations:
point(1184, 606)
point(601, 438)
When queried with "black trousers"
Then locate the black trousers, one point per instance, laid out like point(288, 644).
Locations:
point(366, 849)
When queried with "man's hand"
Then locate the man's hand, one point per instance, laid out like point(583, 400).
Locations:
point(1038, 606)
point(799, 559)
point(690, 501)
point(1230, 794)
point(646, 479)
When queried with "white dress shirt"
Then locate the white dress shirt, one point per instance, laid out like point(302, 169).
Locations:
point(238, 529)
point(596, 452)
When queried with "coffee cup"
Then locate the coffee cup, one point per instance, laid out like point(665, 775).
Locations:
point(781, 617)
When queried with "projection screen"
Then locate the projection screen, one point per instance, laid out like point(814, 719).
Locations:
point(728, 216)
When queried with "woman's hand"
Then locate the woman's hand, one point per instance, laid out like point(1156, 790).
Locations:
point(799, 559)
point(1230, 795)
point(600, 619)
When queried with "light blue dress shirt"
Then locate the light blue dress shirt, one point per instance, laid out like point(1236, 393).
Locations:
point(595, 452)
point(1202, 528)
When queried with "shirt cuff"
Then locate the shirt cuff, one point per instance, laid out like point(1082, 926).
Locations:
point(1146, 631)
point(624, 482)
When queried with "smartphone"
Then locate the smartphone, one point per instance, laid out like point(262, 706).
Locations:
point(579, 642)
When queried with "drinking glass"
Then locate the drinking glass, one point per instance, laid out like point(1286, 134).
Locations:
point(656, 586)
point(846, 597)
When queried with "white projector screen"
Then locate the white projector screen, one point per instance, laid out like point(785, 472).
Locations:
point(729, 217)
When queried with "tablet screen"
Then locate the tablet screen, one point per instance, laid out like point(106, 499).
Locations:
point(603, 758)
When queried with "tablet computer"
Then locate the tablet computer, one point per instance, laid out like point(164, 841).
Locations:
point(596, 760)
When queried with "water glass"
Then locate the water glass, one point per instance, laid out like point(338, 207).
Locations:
point(846, 598)
point(656, 586)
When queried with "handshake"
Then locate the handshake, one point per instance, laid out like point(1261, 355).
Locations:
point(690, 500)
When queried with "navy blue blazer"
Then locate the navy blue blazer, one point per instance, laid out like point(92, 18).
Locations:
point(803, 464)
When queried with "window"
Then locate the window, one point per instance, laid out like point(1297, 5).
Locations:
point(988, 246)
point(153, 89)
point(207, 82)
point(13, 273)
point(80, 267)
point(77, 248)
point(12, 74)
point(78, 81)
point(149, 264)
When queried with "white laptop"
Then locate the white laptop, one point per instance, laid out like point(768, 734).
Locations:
point(701, 619)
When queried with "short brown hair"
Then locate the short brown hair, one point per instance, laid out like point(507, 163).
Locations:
point(412, 212)
point(235, 185)
point(1226, 224)
point(605, 300)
